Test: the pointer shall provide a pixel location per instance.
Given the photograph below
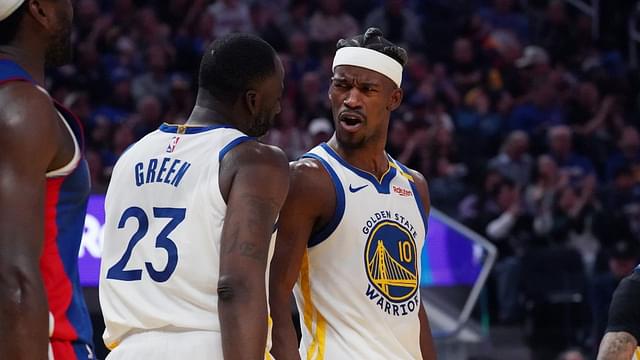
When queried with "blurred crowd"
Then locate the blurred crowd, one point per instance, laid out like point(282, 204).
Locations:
point(523, 122)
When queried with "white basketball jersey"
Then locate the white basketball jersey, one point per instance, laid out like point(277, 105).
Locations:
point(164, 217)
point(359, 287)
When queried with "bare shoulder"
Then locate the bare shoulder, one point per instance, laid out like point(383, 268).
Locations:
point(28, 121)
point(257, 153)
point(20, 101)
point(310, 176)
point(617, 345)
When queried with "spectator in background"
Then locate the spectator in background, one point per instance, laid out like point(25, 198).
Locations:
point(320, 130)
point(118, 105)
point(156, 81)
point(579, 168)
point(175, 13)
point(446, 172)
point(148, 29)
point(556, 32)
point(287, 135)
point(503, 16)
point(230, 16)
point(87, 73)
point(627, 155)
point(466, 67)
point(125, 59)
point(123, 137)
point(571, 354)
point(398, 138)
point(204, 33)
point(86, 14)
point(181, 100)
point(571, 221)
point(538, 112)
point(594, 119)
point(514, 161)
point(312, 100)
point(330, 23)
point(477, 126)
point(122, 17)
point(398, 22)
point(265, 25)
point(533, 64)
point(297, 18)
point(509, 227)
point(300, 59)
point(621, 191)
point(540, 195)
point(96, 172)
point(147, 117)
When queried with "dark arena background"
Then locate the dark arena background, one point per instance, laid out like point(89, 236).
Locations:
point(522, 115)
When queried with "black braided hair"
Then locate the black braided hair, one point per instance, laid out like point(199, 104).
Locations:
point(374, 40)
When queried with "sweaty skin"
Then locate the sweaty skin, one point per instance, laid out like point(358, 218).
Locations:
point(617, 346)
point(35, 141)
point(355, 93)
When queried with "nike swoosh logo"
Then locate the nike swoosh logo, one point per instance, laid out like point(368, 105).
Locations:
point(353, 190)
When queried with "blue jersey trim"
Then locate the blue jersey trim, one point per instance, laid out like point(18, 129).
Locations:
point(173, 129)
point(328, 229)
point(416, 195)
point(383, 186)
point(425, 256)
point(11, 70)
point(233, 144)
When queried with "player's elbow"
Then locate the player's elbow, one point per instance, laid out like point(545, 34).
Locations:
point(234, 288)
point(18, 286)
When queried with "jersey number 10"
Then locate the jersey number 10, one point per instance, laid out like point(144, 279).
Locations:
point(117, 271)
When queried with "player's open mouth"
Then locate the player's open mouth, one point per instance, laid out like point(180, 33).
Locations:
point(350, 121)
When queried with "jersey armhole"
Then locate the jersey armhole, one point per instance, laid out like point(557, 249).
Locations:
point(322, 234)
point(407, 175)
point(222, 153)
point(235, 142)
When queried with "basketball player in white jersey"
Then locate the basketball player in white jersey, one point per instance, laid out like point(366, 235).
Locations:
point(353, 226)
point(620, 341)
point(190, 211)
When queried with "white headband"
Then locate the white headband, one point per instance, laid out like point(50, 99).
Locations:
point(368, 59)
point(7, 7)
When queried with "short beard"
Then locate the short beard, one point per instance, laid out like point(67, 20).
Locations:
point(350, 143)
point(59, 52)
point(260, 125)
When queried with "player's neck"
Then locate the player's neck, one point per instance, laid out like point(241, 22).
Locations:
point(202, 116)
point(370, 157)
point(29, 60)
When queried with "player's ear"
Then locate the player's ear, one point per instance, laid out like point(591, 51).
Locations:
point(42, 12)
point(252, 100)
point(395, 99)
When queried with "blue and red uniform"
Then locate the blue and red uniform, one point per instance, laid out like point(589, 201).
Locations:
point(67, 192)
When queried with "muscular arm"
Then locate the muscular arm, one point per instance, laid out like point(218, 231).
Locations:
point(618, 345)
point(309, 198)
point(29, 144)
point(623, 325)
point(254, 180)
point(426, 340)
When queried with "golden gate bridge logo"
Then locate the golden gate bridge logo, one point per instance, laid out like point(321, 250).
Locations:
point(391, 261)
